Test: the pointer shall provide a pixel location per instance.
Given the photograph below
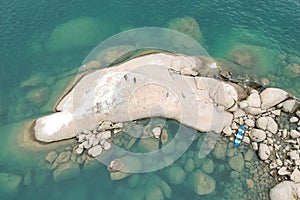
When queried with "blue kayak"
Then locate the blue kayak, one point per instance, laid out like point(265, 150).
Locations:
point(239, 136)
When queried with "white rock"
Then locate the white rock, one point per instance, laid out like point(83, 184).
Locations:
point(106, 145)
point(276, 112)
point(286, 190)
point(262, 123)
point(249, 122)
point(290, 105)
point(272, 96)
point(294, 119)
point(295, 176)
point(86, 144)
point(283, 171)
point(272, 125)
point(81, 137)
point(79, 150)
point(254, 100)
point(105, 125)
point(279, 162)
point(227, 131)
point(238, 113)
point(243, 104)
point(156, 132)
point(294, 134)
point(298, 113)
point(254, 111)
point(105, 135)
point(294, 155)
point(263, 151)
point(254, 146)
point(257, 135)
point(95, 151)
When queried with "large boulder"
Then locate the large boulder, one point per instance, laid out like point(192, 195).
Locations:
point(286, 190)
point(272, 96)
point(202, 183)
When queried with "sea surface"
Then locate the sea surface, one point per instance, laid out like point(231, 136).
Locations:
point(43, 43)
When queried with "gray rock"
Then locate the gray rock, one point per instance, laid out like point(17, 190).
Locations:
point(286, 190)
point(254, 111)
point(237, 162)
point(95, 151)
point(295, 176)
point(238, 113)
point(272, 125)
point(249, 122)
point(262, 123)
point(227, 131)
point(202, 183)
point(264, 151)
point(298, 113)
point(294, 119)
point(254, 100)
point(257, 135)
point(290, 105)
point(283, 171)
point(294, 134)
point(272, 96)
point(254, 146)
point(294, 155)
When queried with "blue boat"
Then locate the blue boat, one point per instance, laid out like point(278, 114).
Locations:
point(239, 136)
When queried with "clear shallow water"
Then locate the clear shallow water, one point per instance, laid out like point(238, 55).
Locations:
point(25, 28)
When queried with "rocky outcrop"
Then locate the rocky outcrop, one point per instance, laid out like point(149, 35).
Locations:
point(193, 101)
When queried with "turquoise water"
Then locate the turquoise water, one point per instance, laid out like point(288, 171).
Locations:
point(33, 45)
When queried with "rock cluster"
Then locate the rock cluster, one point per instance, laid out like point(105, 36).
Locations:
point(272, 121)
point(95, 141)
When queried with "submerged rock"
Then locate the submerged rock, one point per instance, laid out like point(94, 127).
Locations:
point(202, 183)
point(9, 184)
point(188, 26)
point(78, 33)
point(38, 96)
point(175, 174)
point(237, 162)
point(66, 171)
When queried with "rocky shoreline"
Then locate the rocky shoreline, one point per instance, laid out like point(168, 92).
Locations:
point(271, 117)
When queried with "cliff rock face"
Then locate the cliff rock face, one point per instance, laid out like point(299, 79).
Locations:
point(147, 86)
